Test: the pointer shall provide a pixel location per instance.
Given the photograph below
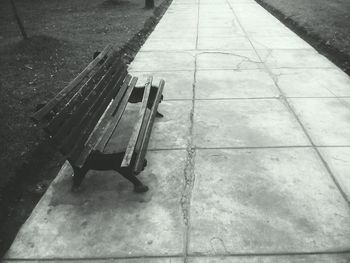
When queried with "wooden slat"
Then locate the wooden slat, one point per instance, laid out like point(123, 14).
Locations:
point(82, 129)
point(117, 116)
point(141, 153)
point(92, 119)
point(90, 100)
point(136, 131)
point(105, 122)
point(37, 116)
point(80, 95)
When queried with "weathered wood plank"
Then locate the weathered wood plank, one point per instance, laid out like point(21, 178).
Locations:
point(141, 152)
point(106, 121)
point(116, 118)
point(37, 116)
point(92, 118)
point(136, 131)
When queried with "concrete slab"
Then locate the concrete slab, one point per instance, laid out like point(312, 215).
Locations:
point(162, 61)
point(218, 84)
point(312, 82)
point(338, 161)
point(238, 59)
point(343, 258)
point(265, 201)
point(234, 43)
point(214, 23)
point(178, 84)
point(245, 123)
point(346, 100)
point(107, 219)
point(130, 260)
point(165, 32)
point(325, 119)
point(267, 31)
point(261, 19)
point(220, 32)
point(294, 59)
point(162, 44)
point(172, 131)
point(281, 42)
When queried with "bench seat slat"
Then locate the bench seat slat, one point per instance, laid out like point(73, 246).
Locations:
point(40, 114)
point(107, 123)
point(117, 116)
point(73, 142)
point(136, 131)
point(141, 152)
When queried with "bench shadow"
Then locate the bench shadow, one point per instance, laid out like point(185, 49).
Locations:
point(101, 191)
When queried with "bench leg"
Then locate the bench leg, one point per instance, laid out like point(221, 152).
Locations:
point(78, 177)
point(137, 95)
point(103, 162)
point(139, 187)
point(159, 115)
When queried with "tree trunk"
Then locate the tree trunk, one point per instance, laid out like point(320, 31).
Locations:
point(149, 3)
point(18, 19)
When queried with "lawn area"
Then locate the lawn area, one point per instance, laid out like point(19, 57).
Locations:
point(323, 23)
point(62, 37)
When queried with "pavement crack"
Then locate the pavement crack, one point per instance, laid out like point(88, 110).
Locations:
point(189, 177)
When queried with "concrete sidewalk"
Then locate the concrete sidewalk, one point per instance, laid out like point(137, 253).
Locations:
point(251, 162)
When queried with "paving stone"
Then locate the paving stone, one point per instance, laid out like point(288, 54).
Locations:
point(130, 260)
point(215, 23)
point(216, 84)
point(162, 61)
point(235, 43)
point(265, 201)
point(279, 43)
point(338, 161)
point(294, 59)
point(169, 44)
point(245, 123)
point(241, 2)
point(165, 32)
point(173, 130)
point(255, 30)
point(107, 219)
point(325, 119)
point(238, 59)
point(346, 100)
point(342, 258)
point(220, 32)
point(178, 84)
point(261, 19)
point(313, 82)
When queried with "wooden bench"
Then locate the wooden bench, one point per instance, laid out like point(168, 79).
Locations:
point(82, 117)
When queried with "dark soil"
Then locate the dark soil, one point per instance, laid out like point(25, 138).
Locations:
point(63, 35)
point(324, 24)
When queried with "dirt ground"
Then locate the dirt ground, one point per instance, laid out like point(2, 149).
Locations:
point(62, 37)
point(323, 23)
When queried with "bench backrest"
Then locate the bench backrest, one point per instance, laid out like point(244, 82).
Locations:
point(71, 116)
